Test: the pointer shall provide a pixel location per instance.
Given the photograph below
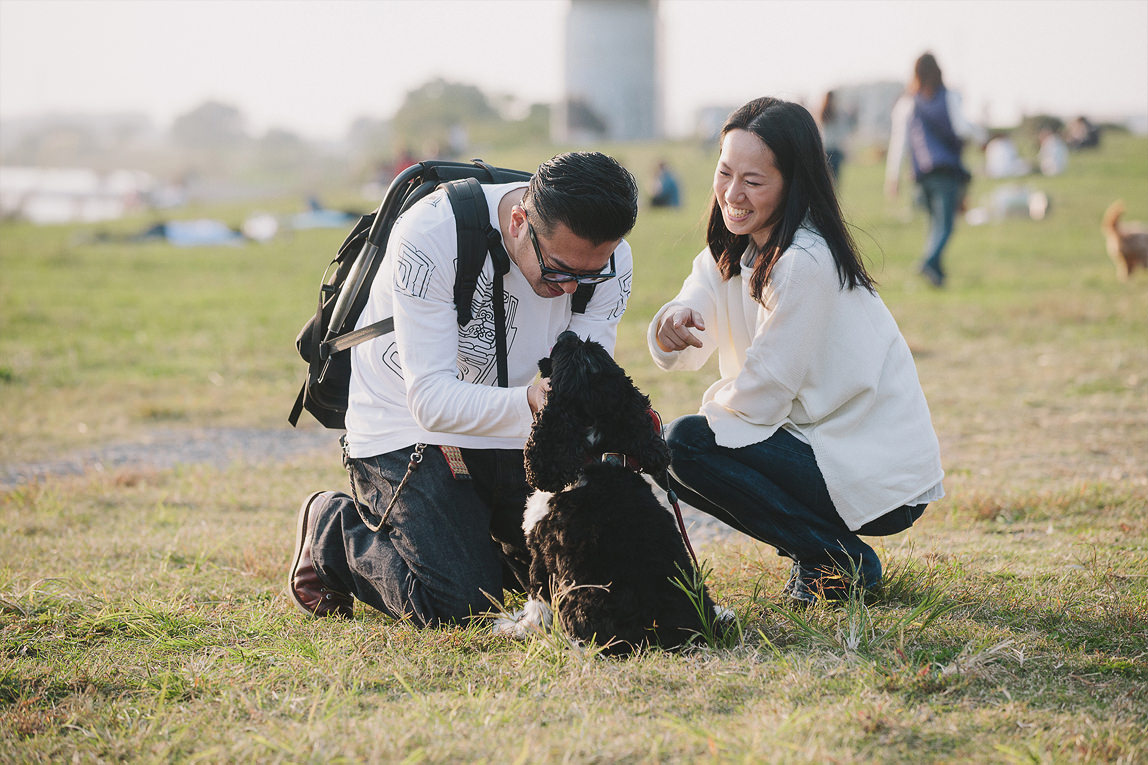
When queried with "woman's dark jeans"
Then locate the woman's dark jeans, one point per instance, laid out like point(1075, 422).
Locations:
point(435, 560)
point(774, 492)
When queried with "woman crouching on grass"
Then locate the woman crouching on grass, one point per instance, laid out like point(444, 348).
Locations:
point(817, 432)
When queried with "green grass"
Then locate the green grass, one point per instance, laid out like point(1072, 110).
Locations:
point(142, 614)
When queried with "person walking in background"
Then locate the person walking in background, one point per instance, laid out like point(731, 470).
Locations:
point(836, 125)
point(929, 126)
point(818, 431)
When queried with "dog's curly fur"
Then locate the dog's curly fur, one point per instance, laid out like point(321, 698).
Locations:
point(595, 529)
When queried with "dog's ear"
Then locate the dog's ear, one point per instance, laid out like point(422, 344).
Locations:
point(632, 430)
point(654, 456)
point(556, 448)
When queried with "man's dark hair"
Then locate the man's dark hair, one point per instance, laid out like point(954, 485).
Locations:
point(589, 192)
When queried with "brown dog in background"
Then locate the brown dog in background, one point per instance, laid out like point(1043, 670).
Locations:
point(1127, 242)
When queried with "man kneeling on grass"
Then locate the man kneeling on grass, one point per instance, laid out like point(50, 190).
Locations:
point(433, 528)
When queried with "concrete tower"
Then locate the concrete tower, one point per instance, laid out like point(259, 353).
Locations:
point(612, 72)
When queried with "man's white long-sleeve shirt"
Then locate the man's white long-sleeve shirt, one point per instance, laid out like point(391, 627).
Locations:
point(431, 381)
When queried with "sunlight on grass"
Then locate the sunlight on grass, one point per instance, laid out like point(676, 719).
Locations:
point(142, 614)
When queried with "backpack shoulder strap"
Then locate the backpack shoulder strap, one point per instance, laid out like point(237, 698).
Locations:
point(582, 297)
point(475, 237)
point(361, 335)
point(472, 221)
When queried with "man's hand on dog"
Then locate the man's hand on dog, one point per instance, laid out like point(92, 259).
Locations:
point(674, 330)
point(536, 395)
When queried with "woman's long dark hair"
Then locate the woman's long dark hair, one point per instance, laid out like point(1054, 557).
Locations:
point(927, 77)
point(791, 134)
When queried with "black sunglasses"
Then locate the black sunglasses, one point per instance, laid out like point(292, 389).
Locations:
point(554, 275)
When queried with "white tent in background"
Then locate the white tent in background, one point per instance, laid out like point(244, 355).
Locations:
point(64, 195)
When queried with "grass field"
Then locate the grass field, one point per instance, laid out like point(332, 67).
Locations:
point(142, 614)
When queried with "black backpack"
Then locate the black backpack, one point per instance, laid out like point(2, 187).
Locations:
point(326, 337)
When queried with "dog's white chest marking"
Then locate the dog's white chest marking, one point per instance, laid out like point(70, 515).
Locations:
point(534, 617)
point(723, 614)
point(537, 506)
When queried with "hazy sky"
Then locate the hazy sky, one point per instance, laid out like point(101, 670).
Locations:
point(313, 66)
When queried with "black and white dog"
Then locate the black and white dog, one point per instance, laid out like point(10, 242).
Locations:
point(595, 530)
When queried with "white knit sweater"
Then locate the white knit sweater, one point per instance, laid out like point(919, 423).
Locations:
point(828, 363)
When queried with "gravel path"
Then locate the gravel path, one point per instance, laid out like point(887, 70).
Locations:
point(165, 448)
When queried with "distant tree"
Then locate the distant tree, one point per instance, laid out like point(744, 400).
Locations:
point(282, 150)
point(1026, 133)
point(99, 141)
point(430, 111)
point(211, 125)
point(368, 134)
point(532, 128)
point(1037, 122)
point(57, 145)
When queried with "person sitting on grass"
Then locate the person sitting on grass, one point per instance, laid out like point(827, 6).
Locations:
point(818, 431)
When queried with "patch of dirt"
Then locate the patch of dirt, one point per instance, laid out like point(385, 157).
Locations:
point(165, 448)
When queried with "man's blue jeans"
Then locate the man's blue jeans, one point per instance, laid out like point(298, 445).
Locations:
point(435, 559)
point(942, 191)
point(774, 492)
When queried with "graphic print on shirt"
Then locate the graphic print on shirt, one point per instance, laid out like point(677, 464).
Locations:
point(390, 359)
point(413, 270)
point(624, 281)
point(476, 349)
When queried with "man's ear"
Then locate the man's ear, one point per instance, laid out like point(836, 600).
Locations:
point(517, 221)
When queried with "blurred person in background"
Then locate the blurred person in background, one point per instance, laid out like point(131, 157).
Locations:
point(1002, 158)
point(1082, 134)
point(666, 191)
point(836, 125)
point(1053, 153)
point(929, 126)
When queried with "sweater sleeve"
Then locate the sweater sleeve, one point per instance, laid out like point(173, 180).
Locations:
point(965, 129)
point(791, 326)
point(898, 138)
point(699, 292)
